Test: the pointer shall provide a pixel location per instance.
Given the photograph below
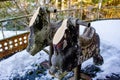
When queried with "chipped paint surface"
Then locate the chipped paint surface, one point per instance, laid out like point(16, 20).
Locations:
point(60, 32)
point(34, 17)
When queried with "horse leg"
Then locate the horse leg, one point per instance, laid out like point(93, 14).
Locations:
point(77, 72)
point(30, 39)
point(97, 58)
point(51, 53)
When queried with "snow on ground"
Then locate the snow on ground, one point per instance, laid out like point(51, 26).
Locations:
point(108, 30)
point(10, 33)
point(20, 63)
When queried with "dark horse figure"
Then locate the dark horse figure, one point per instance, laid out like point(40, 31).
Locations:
point(70, 49)
point(41, 35)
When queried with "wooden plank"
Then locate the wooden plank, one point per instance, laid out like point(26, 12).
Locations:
point(13, 44)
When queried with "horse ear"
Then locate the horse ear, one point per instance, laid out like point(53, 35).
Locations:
point(89, 24)
point(80, 22)
point(34, 17)
point(60, 32)
point(73, 21)
point(52, 10)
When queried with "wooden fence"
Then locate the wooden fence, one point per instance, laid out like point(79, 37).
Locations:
point(13, 44)
point(16, 43)
point(89, 13)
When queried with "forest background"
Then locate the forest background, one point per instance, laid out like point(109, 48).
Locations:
point(83, 9)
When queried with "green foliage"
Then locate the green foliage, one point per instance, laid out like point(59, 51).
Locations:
point(30, 0)
point(95, 1)
point(5, 4)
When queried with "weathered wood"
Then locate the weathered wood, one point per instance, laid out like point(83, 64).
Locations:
point(13, 44)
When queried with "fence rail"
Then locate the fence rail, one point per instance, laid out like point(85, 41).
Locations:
point(89, 13)
point(14, 18)
point(16, 43)
point(13, 44)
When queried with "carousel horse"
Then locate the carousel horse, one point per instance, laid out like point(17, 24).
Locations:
point(70, 49)
point(42, 30)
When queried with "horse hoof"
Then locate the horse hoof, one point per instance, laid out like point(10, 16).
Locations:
point(98, 60)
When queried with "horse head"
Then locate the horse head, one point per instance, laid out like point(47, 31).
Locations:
point(39, 27)
point(66, 46)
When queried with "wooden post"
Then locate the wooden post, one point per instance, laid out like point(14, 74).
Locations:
point(51, 53)
point(15, 27)
point(99, 7)
point(59, 4)
point(56, 4)
point(77, 72)
point(81, 10)
point(62, 7)
point(69, 6)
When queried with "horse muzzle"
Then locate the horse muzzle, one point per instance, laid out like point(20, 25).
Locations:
point(55, 72)
point(52, 10)
point(49, 10)
point(58, 73)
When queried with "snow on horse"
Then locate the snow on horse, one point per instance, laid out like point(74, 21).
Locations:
point(70, 49)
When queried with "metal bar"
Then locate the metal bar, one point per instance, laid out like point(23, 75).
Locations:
point(5, 0)
point(102, 19)
point(15, 28)
point(2, 32)
point(111, 7)
point(86, 8)
point(3, 20)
